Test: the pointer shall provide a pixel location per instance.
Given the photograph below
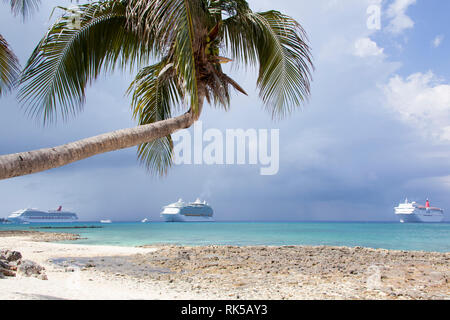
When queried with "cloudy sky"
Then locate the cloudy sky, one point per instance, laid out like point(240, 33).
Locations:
point(376, 129)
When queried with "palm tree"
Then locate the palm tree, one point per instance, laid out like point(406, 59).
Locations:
point(186, 39)
point(9, 67)
point(9, 64)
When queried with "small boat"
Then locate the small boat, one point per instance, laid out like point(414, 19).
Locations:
point(105, 221)
point(144, 220)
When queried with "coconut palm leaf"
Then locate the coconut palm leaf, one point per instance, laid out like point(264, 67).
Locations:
point(9, 64)
point(9, 67)
point(73, 53)
point(157, 155)
point(23, 8)
point(154, 95)
point(278, 44)
point(169, 28)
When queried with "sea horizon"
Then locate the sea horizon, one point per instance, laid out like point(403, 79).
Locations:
point(377, 235)
point(262, 221)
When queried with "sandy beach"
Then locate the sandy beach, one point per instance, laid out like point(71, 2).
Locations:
point(221, 272)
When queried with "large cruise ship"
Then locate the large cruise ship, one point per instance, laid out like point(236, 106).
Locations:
point(413, 212)
point(180, 211)
point(37, 216)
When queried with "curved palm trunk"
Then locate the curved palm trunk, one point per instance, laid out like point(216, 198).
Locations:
point(19, 164)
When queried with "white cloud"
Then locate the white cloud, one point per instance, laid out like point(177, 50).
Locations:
point(438, 40)
point(364, 47)
point(423, 101)
point(399, 20)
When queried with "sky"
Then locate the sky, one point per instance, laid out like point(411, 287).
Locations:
point(375, 130)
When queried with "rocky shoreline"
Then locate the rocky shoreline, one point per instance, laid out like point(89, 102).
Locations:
point(290, 272)
point(12, 264)
point(229, 272)
point(40, 236)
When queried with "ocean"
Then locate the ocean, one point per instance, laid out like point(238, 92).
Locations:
point(390, 235)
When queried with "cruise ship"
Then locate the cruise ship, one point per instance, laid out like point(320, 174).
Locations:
point(37, 216)
point(413, 212)
point(4, 221)
point(198, 211)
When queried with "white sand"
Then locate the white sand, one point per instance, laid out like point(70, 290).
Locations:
point(230, 273)
point(87, 284)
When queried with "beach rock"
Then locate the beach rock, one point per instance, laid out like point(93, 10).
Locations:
point(7, 272)
point(11, 264)
point(8, 263)
point(42, 276)
point(4, 264)
point(184, 255)
point(31, 269)
point(6, 269)
point(437, 277)
point(10, 255)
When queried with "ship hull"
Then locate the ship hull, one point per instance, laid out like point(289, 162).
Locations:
point(22, 221)
point(25, 220)
point(170, 217)
point(419, 215)
point(420, 218)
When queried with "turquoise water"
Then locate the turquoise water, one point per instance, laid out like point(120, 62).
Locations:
point(423, 237)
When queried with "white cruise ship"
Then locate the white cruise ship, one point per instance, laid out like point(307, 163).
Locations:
point(180, 211)
point(413, 212)
point(36, 216)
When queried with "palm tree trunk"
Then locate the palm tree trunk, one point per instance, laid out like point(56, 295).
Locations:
point(19, 164)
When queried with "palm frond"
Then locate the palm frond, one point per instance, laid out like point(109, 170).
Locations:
point(73, 53)
point(23, 8)
point(278, 44)
point(157, 155)
point(9, 67)
point(170, 29)
point(154, 95)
